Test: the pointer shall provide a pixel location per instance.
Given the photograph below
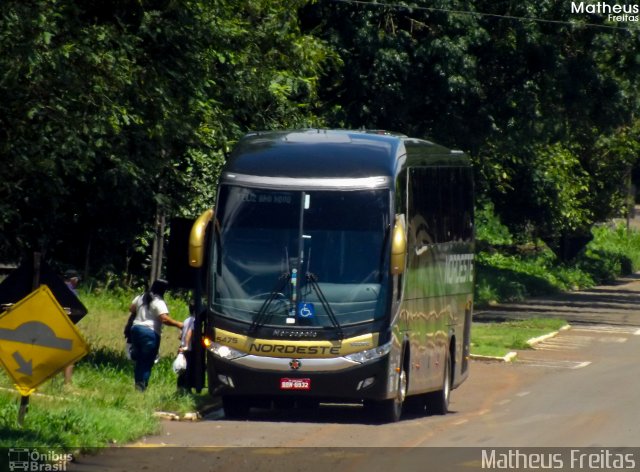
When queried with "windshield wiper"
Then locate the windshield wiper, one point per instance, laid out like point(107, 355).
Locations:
point(263, 315)
point(313, 279)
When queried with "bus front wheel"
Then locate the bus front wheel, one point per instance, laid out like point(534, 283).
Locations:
point(389, 411)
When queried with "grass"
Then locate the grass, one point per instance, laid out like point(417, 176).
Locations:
point(108, 313)
point(497, 339)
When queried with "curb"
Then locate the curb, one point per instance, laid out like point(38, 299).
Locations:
point(509, 357)
point(190, 416)
point(533, 341)
point(167, 415)
point(512, 356)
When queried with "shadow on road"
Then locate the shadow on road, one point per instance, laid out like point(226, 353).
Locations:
point(617, 303)
point(324, 414)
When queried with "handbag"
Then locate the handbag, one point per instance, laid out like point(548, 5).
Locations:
point(128, 326)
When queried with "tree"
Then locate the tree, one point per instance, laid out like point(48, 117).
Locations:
point(120, 110)
point(529, 89)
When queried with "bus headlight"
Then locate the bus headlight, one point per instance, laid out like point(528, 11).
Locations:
point(370, 354)
point(224, 352)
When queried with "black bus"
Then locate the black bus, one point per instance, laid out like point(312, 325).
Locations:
point(338, 268)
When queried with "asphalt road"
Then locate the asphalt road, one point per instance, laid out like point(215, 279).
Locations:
point(576, 390)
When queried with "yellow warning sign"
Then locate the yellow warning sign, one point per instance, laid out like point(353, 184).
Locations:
point(38, 340)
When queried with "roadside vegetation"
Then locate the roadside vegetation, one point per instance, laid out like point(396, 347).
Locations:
point(496, 339)
point(101, 407)
point(507, 270)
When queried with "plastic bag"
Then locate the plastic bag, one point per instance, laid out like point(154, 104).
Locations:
point(180, 363)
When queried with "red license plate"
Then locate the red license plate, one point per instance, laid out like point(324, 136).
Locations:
point(295, 384)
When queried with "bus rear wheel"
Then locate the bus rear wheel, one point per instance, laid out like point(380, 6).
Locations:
point(235, 407)
point(438, 401)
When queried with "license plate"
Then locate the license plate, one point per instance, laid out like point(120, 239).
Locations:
point(295, 384)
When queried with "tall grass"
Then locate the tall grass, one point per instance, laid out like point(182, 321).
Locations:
point(108, 313)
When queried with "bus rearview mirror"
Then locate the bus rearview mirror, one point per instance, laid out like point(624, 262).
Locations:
point(197, 239)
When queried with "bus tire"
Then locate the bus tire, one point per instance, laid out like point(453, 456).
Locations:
point(415, 405)
point(235, 407)
point(438, 401)
point(390, 411)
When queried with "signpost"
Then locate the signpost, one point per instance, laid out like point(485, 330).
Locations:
point(38, 337)
point(37, 340)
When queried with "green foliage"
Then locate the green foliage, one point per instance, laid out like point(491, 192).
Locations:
point(560, 188)
point(525, 271)
point(101, 407)
point(545, 108)
point(99, 410)
point(489, 228)
point(502, 278)
point(613, 251)
point(116, 110)
point(611, 165)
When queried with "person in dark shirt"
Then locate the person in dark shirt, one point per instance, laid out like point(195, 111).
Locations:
point(71, 279)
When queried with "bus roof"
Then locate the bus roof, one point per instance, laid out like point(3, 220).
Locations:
point(323, 153)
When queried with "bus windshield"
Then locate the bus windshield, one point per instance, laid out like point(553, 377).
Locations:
point(312, 258)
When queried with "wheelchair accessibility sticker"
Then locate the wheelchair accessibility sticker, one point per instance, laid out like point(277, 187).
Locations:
point(306, 310)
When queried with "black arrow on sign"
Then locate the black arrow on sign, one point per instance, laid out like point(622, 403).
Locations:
point(26, 367)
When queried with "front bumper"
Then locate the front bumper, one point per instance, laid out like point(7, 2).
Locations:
point(353, 383)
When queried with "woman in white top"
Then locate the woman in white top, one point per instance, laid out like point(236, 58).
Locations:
point(151, 313)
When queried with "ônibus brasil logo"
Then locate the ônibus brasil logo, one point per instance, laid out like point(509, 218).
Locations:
point(32, 460)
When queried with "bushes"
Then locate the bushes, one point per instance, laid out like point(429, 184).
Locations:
point(507, 272)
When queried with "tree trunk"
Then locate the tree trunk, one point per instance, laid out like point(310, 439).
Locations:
point(158, 246)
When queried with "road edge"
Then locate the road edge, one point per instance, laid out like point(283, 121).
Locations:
point(511, 356)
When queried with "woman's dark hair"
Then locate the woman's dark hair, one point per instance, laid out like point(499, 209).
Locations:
point(157, 290)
